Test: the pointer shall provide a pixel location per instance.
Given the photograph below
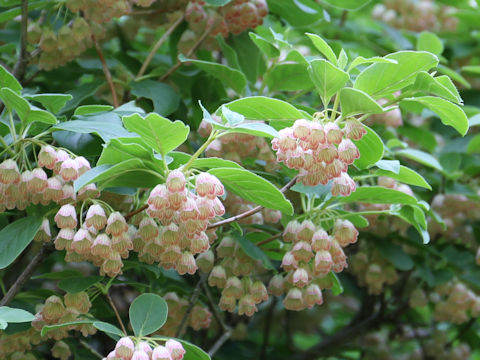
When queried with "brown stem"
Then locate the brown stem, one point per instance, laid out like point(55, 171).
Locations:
point(26, 274)
point(135, 212)
point(119, 319)
point(91, 349)
point(249, 212)
point(266, 241)
point(191, 303)
point(219, 343)
point(189, 53)
point(106, 71)
point(266, 333)
point(21, 65)
point(213, 307)
point(158, 44)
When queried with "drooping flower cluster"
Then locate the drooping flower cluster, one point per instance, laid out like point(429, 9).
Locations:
point(102, 240)
point(235, 205)
point(372, 270)
point(233, 275)
point(320, 152)
point(200, 317)
point(57, 310)
point(21, 189)
point(439, 346)
point(125, 349)
point(313, 254)
point(99, 11)
point(416, 15)
point(18, 344)
point(184, 216)
point(455, 303)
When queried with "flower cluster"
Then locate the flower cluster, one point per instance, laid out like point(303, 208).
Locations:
point(57, 310)
point(320, 152)
point(125, 349)
point(372, 270)
point(313, 254)
point(455, 303)
point(416, 15)
point(184, 216)
point(20, 189)
point(439, 346)
point(200, 317)
point(233, 275)
point(16, 345)
point(99, 11)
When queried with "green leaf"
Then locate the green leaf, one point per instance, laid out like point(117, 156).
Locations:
point(472, 69)
point(474, 145)
point(254, 251)
point(158, 132)
point(256, 129)
point(106, 130)
point(253, 188)
point(371, 149)
point(430, 42)
point(288, 76)
point(217, 2)
point(193, 352)
point(11, 315)
point(427, 83)
point(148, 313)
point(298, 13)
point(407, 176)
point(395, 254)
point(373, 60)
point(228, 76)
point(265, 46)
point(378, 195)
point(26, 112)
point(327, 78)
point(15, 237)
point(414, 216)
point(109, 329)
point(323, 47)
point(7, 80)
point(48, 328)
point(449, 113)
point(6, 15)
point(421, 157)
point(454, 75)
point(389, 165)
point(213, 162)
point(92, 109)
point(165, 99)
point(79, 283)
point(383, 79)
point(337, 287)
point(58, 275)
point(52, 102)
point(348, 4)
point(355, 102)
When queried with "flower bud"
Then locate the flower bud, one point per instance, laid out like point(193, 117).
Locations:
point(176, 349)
point(276, 285)
point(300, 278)
point(66, 217)
point(158, 198)
point(302, 251)
point(69, 170)
point(64, 239)
point(323, 262)
point(348, 152)
point(116, 224)
point(82, 242)
point(289, 262)
point(306, 231)
point(186, 264)
point(83, 165)
point(61, 350)
point(258, 292)
point(53, 309)
point(217, 277)
point(207, 185)
point(291, 231)
point(140, 355)
point(161, 353)
point(226, 247)
point(44, 234)
point(47, 157)
point(333, 133)
point(246, 306)
point(96, 217)
point(345, 233)
point(78, 301)
point(233, 288)
point(176, 181)
point(227, 303)
point(312, 296)
point(321, 241)
point(205, 261)
point(102, 246)
point(294, 300)
point(354, 129)
point(343, 185)
point(9, 173)
point(124, 348)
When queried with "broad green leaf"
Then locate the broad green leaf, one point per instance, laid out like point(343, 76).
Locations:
point(472, 69)
point(348, 4)
point(454, 75)
point(106, 130)
point(337, 287)
point(355, 102)
point(383, 79)
point(371, 149)
point(395, 254)
point(109, 329)
point(430, 42)
point(148, 313)
point(92, 109)
point(193, 352)
point(425, 82)
point(7, 80)
point(323, 47)
point(376, 59)
point(378, 195)
point(11, 315)
point(389, 165)
point(288, 76)
point(253, 188)
point(213, 162)
point(228, 52)
point(52, 102)
point(48, 328)
point(254, 251)
point(474, 145)
point(58, 275)
point(6, 15)
point(15, 237)
point(79, 283)
point(410, 214)
point(158, 132)
point(450, 86)
point(107, 173)
point(265, 46)
point(405, 175)
point(256, 129)
point(232, 118)
point(449, 113)
point(421, 157)
point(26, 112)
point(342, 59)
point(358, 221)
point(298, 13)
point(327, 78)
point(165, 99)
point(228, 76)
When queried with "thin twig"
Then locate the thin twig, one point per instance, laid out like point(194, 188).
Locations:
point(266, 241)
point(249, 212)
point(92, 350)
point(190, 52)
point(213, 307)
point(21, 65)
point(106, 71)
point(112, 304)
point(26, 274)
point(158, 44)
point(219, 343)
point(268, 326)
point(135, 212)
point(191, 303)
